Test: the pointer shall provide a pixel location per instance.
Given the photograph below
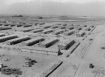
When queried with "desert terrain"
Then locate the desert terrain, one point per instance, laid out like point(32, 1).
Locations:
point(52, 46)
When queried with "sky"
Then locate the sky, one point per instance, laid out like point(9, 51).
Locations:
point(53, 7)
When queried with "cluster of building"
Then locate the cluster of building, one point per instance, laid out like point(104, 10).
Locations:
point(44, 38)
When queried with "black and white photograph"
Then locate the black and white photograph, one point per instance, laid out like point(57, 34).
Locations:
point(52, 38)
